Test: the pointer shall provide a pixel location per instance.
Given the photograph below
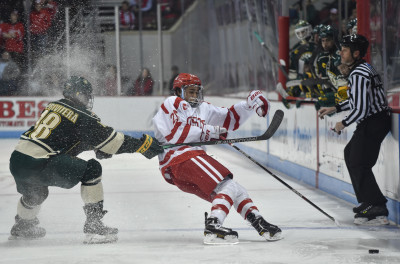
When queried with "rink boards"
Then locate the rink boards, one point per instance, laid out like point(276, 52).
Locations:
point(300, 144)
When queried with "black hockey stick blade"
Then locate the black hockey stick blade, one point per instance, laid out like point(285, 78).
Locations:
point(274, 125)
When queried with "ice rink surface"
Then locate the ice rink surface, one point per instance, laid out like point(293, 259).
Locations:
point(160, 224)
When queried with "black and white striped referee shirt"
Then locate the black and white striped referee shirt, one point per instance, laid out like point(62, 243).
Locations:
point(366, 94)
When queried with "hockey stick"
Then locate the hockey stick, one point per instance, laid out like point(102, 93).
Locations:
point(281, 90)
point(284, 183)
point(301, 99)
point(285, 95)
point(308, 82)
point(279, 87)
point(281, 63)
point(287, 99)
point(275, 123)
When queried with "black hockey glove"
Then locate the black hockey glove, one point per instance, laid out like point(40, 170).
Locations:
point(102, 155)
point(150, 147)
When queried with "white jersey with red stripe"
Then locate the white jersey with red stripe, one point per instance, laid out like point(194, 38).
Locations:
point(178, 122)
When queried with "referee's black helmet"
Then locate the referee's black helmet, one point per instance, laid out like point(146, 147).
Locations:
point(355, 42)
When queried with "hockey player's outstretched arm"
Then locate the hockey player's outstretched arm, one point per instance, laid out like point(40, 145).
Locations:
point(146, 145)
point(232, 118)
point(258, 103)
point(107, 142)
point(150, 147)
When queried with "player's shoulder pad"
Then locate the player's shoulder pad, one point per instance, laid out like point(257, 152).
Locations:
point(173, 102)
point(79, 110)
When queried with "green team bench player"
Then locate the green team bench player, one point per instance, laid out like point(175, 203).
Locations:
point(46, 156)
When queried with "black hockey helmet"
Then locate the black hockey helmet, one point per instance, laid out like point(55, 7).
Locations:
point(327, 31)
point(356, 42)
point(351, 26)
point(317, 29)
point(79, 90)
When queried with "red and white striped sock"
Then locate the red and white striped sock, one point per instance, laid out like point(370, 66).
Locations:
point(221, 205)
point(245, 207)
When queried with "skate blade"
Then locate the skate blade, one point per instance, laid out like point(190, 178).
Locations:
point(379, 220)
point(212, 239)
point(276, 237)
point(11, 237)
point(100, 239)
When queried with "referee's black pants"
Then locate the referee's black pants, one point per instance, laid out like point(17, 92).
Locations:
point(361, 154)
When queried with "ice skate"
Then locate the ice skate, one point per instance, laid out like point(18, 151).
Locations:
point(215, 234)
point(268, 231)
point(26, 229)
point(95, 230)
point(361, 207)
point(374, 215)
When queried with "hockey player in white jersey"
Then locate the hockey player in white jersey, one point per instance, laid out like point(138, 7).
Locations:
point(186, 118)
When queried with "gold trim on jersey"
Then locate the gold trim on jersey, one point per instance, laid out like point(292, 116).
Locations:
point(112, 143)
point(64, 111)
point(31, 149)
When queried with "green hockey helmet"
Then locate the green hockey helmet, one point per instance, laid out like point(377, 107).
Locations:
point(327, 32)
point(302, 30)
point(79, 90)
point(317, 29)
point(351, 26)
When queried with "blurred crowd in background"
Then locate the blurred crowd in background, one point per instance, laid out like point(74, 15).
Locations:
point(26, 37)
point(33, 29)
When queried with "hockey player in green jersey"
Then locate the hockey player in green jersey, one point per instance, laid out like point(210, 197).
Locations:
point(301, 51)
point(299, 54)
point(328, 62)
point(46, 155)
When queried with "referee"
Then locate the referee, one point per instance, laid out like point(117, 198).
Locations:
point(369, 109)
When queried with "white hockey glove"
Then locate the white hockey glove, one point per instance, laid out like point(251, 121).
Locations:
point(258, 103)
point(212, 132)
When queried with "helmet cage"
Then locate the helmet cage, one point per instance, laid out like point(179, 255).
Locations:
point(303, 32)
point(193, 101)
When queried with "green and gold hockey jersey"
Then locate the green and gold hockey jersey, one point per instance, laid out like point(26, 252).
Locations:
point(327, 68)
point(66, 127)
point(300, 54)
